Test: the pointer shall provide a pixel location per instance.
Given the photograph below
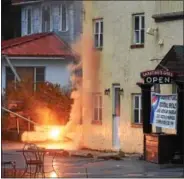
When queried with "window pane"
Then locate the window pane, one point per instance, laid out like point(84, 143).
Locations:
point(142, 25)
point(101, 27)
point(95, 113)
point(56, 17)
point(40, 75)
point(46, 19)
point(96, 40)
point(63, 17)
point(136, 116)
point(136, 36)
point(136, 98)
point(100, 98)
point(96, 27)
point(100, 114)
point(29, 21)
point(136, 22)
point(101, 40)
point(142, 36)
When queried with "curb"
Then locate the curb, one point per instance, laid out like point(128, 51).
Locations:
point(88, 155)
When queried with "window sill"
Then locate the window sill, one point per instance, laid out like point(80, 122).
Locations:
point(98, 48)
point(96, 122)
point(137, 46)
point(134, 125)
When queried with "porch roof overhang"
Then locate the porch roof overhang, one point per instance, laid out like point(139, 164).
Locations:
point(174, 61)
point(38, 46)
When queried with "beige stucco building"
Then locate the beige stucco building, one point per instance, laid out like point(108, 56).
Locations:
point(113, 120)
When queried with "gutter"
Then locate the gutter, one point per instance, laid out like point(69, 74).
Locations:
point(35, 58)
point(25, 3)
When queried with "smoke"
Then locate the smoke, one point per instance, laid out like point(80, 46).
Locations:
point(87, 66)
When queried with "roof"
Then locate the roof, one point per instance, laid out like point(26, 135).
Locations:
point(173, 60)
point(37, 45)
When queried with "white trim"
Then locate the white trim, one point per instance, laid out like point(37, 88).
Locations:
point(98, 33)
point(36, 58)
point(140, 28)
point(30, 2)
point(139, 108)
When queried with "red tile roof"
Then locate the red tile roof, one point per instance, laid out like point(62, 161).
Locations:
point(37, 45)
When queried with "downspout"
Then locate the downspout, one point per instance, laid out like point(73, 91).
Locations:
point(12, 68)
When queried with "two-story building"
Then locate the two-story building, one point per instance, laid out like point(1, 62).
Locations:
point(48, 28)
point(130, 37)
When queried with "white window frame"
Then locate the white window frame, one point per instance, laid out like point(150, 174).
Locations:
point(95, 21)
point(140, 28)
point(26, 13)
point(139, 108)
point(61, 13)
point(34, 77)
point(97, 106)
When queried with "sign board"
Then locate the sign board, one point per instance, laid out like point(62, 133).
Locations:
point(164, 110)
point(157, 77)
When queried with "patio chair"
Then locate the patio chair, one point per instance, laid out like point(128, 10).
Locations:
point(9, 163)
point(33, 158)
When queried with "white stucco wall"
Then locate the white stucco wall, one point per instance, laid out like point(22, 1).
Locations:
point(121, 64)
point(56, 71)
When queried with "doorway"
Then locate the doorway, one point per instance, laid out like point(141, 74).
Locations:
point(116, 116)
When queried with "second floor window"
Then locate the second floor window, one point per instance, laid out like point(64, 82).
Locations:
point(46, 18)
point(51, 17)
point(29, 21)
point(59, 18)
point(98, 33)
point(138, 29)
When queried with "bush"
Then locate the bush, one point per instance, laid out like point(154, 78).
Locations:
point(48, 105)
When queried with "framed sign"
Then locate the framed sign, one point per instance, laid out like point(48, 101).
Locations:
point(164, 110)
point(157, 77)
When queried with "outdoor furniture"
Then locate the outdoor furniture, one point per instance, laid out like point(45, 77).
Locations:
point(9, 163)
point(34, 156)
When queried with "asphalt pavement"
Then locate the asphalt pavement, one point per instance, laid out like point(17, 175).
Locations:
point(78, 167)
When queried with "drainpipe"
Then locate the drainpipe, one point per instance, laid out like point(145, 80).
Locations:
point(12, 68)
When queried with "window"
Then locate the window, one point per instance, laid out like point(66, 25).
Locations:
point(137, 108)
point(59, 17)
point(45, 18)
point(29, 21)
point(98, 33)
point(64, 18)
point(97, 107)
point(138, 28)
point(34, 74)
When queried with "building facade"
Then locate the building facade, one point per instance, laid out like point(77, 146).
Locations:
point(61, 17)
point(130, 37)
